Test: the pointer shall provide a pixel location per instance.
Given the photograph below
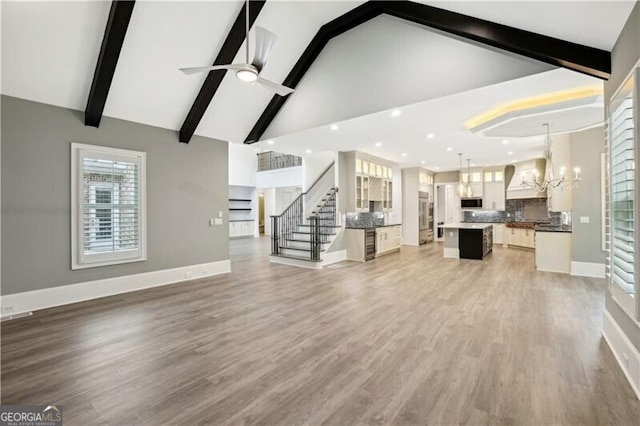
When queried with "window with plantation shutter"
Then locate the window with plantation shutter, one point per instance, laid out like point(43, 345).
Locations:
point(108, 209)
point(622, 154)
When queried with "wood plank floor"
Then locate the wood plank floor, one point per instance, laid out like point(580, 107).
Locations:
point(410, 338)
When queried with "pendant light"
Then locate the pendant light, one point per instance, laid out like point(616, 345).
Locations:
point(461, 189)
point(469, 189)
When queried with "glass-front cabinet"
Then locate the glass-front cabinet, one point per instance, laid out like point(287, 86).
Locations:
point(373, 183)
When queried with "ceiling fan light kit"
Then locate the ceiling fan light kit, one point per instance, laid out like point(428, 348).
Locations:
point(248, 75)
point(249, 72)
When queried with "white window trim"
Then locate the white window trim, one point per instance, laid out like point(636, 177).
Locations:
point(77, 261)
point(629, 302)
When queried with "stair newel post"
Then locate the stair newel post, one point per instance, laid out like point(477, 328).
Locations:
point(315, 238)
point(275, 240)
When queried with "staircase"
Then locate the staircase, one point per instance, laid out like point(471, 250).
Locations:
point(301, 237)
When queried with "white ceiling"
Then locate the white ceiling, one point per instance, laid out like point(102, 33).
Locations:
point(444, 117)
point(49, 51)
point(417, 64)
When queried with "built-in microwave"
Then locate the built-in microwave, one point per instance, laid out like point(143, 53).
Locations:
point(471, 203)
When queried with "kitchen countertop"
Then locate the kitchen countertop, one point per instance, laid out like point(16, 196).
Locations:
point(372, 227)
point(547, 228)
point(520, 225)
point(466, 225)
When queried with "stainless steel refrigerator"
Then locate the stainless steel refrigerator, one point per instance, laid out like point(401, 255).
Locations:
point(425, 218)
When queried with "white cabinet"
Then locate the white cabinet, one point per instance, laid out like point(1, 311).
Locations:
point(362, 193)
point(494, 196)
point(494, 191)
point(498, 233)
point(388, 239)
point(241, 228)
point(521, 237)
point(387, 195)
point(371, 176)
point(553, 252)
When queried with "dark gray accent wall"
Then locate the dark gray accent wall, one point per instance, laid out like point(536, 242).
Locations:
point(625, 54)
point(186, 185)
point(586, 240)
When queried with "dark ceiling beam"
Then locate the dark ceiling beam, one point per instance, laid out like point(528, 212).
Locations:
point(576, 57)
point(227, 54)
point(117, 24)
point(349, 20)
point(561, 53)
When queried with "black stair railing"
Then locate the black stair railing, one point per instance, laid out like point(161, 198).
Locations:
point(322, 223)
point(284, 225)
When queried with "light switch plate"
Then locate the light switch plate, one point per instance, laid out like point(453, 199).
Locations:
point(219, 213)
point(211, 222)
point(584, 219)
point(218, 221)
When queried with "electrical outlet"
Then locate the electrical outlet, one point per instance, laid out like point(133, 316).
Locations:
point(188, 274)
point(205, 272)
point(8, 309)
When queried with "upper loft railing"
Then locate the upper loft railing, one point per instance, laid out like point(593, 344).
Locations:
point(276, 160)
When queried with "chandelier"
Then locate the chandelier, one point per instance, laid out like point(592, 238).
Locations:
point(465, 191)
point(550, 182)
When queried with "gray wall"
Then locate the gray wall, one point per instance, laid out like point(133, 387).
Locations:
point(186, 185)
point(446, 177)
point(586, 238)
point(625, 54)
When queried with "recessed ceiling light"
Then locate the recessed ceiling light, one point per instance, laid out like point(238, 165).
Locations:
point(308, 151)
point(437, 168)
point(449, 149)
point(396, 112)
point(473, 164)
point(422, 162)
point(505, 141)
point(404, 154)
point(334, 127)
point(430, 136)
point(510, 153)
point(378, 143)
point(514, 160)
point(270, 142)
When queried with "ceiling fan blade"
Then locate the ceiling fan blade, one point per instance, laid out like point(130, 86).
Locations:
point(195, 70)
point(274, 87)
point(265, 40)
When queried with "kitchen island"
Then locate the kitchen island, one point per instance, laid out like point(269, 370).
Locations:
point(468, 240)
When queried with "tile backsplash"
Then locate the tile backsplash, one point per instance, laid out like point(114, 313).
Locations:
point(527, 210)
point(535, 210)
point(484, 216)
point(364, 220)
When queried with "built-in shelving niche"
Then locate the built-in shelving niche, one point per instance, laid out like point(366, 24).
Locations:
point(243, 211)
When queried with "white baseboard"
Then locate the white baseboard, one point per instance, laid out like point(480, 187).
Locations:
point(626, 354)
point(334, 257)
point(587, 269)
point(452, 253)
point(17, 303)
point(309, 264)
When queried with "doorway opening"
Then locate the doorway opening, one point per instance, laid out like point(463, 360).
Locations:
point(447, 207)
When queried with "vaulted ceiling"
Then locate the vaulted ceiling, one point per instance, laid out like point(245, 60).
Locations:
point(50, 49)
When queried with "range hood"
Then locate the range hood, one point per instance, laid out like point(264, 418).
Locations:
point(526, 170)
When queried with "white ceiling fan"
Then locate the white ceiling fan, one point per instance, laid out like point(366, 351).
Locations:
point(250, 71)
